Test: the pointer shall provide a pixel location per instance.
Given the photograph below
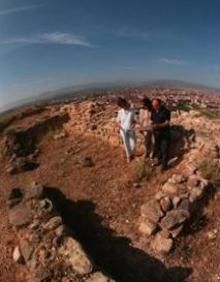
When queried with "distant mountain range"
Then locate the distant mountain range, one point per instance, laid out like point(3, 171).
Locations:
point(80, 89)
point(83, 90)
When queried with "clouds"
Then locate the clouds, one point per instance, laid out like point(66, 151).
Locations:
point(58, 38)
point(19, 9)
point(172, 61)
point(65, 38)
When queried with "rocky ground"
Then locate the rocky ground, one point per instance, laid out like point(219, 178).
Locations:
point(100, 198)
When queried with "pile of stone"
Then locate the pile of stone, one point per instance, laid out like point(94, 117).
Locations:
point(20, 143)
point(46, 246)
point(163, 218)
point(21, 151)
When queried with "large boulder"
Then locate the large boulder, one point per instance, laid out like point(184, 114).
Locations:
point(73, 252)
point(161, 244)
point(174, 218)
point(152, 211)
point(20, 215)
point(147, 227)
point(170, 188)
point(166, 204)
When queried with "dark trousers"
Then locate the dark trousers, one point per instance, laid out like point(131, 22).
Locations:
point(161, 146)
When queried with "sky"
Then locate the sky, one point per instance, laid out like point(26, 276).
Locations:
point(51, 44)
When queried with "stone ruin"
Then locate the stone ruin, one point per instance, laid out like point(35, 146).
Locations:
point(46, 246)
point(164, 217)
point(20, 144)
point(21, 151)
point(96, 119)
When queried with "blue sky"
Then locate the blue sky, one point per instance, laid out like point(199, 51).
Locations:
point(50, 44)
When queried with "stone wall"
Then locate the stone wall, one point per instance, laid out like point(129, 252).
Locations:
point(93, 118)
point(46, 246)
point(19, 115)
point(164, 217)
point(20, 144)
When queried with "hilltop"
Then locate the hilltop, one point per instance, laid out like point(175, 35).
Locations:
point(69, 148)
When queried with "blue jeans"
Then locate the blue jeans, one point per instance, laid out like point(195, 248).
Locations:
point(129, 141)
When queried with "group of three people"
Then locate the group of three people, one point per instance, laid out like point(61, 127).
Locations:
point(153, 122)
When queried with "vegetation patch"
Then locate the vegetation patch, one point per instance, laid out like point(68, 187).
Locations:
point(181, 107)
point(142, 170)
point(211, 113)
point(210, 170)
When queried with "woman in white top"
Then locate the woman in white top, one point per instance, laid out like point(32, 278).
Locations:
point(126, 121)
point(145, 125)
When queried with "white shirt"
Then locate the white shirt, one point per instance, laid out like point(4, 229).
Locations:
point(126, 118)
point(144, 118)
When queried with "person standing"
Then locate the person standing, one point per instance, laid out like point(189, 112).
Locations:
point(126, 122)
point(145, 125)
point(160, 117)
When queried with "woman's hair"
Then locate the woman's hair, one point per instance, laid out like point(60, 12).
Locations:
point(122, 102)
point(147, 103)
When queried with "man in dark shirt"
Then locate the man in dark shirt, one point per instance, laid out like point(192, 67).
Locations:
point(160, 117)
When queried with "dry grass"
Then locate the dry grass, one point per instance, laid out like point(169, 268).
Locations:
point(210, 170)
point(142, 171)
point(210, 113)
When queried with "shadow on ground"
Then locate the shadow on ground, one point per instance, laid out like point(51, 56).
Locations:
point(180, 142)
point(112, 254)
point(199, 220)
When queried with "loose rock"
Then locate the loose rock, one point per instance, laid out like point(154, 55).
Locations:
point(53, 223)
point(148, 228)
point(20, 215)
point(152, 211)
point(174, 218)
point(162, 245)
point(170, 188)
point(76, 256)
point(17, 257)
point(27, 249)
point(166, 204)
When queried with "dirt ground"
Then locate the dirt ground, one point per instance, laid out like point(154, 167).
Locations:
point(101, 205)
